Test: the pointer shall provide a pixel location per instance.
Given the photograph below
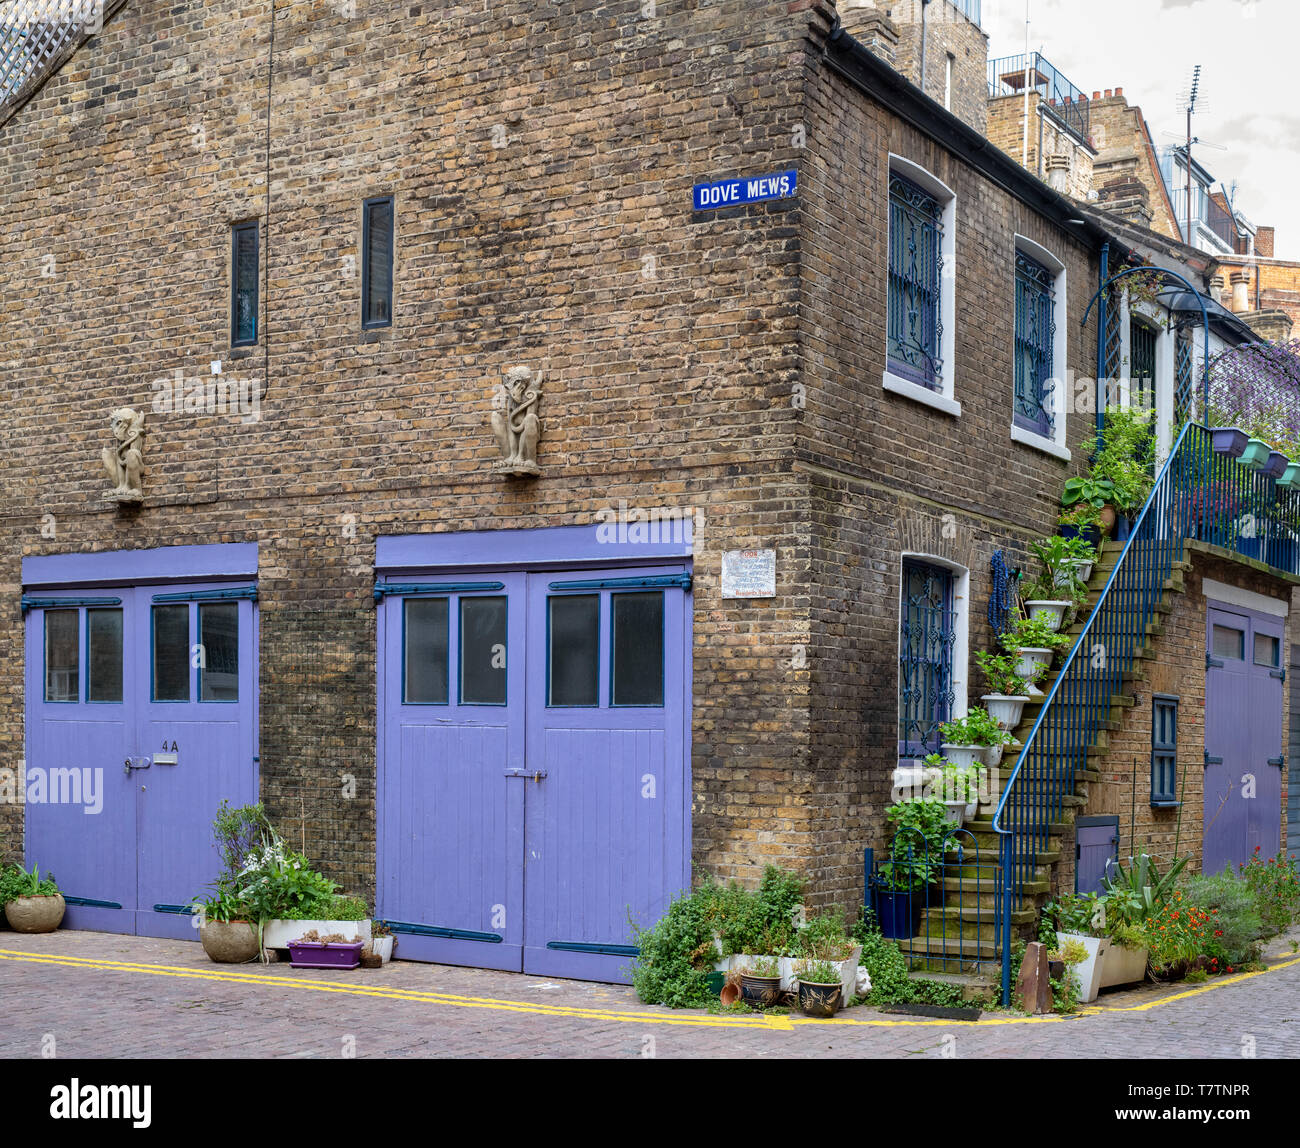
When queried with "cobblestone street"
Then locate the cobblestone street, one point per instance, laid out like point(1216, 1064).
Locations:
point(89, 995)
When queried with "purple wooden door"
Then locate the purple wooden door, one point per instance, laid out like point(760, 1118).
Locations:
point(196, 725)
point(1096, 845)
point(1243, 736)
point(144, 697)
point(532, 770)
point(605, 825)
point(80, 806)
point(450, 815)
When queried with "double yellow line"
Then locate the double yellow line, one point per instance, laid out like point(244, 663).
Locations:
point(762, 1022)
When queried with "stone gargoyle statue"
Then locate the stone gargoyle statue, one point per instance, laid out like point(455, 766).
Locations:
point(124, 460)
point(515, 422)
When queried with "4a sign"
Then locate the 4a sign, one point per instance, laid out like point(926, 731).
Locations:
point(734, 192)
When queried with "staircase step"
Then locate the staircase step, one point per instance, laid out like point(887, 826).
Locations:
point(949, 947)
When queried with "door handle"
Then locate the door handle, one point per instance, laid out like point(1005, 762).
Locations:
point(1277, 761)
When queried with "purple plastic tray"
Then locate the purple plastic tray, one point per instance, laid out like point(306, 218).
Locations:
point(318, 955)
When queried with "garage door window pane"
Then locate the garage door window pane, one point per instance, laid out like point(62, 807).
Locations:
point(574, 656)
point(219, 634)
point(483, 651)
point(426, 651)
point(171, 653)
point(62, 656)
point(1229, 643)
point(638, 649)
point(104, 673)
point(1267, 649)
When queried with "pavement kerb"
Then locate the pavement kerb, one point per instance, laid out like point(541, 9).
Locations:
point(626, 1016)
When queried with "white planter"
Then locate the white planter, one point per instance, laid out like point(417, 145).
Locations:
point(1030, 658)
point(955, 812)
point(911, 781)
point(382, 947)
point(277, 934)
point(1122, 966)
point(992, 755)
point(1050, 610)
point(969, 811)
point(1070, 570)
point(1005, 709)
point(964, 756)
point(1087, 974)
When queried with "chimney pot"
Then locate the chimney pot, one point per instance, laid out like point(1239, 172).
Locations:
point(1096, 95)
point(1108, 93)
point(1119, 92)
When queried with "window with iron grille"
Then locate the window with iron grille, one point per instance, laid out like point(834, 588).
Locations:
point(1164, 751)
point(243, 284)
point(1184, 383)
point(377, 263)
point(915, 271)
point(1035, 345)
point(1142, 364)
point(925, 680)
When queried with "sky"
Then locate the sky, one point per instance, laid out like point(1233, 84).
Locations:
point(1249, 71)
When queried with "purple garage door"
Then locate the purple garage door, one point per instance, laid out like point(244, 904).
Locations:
point(140, 718)
point(533, 765)
point(1243, 736)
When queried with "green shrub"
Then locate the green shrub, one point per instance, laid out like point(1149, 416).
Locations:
point(16, 882)
point(678, 951)
point(1276, 886)
point(885, 966)
point(1237, 926)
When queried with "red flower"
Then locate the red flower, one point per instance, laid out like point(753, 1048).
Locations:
point(1218, 932)
point(1229, 968)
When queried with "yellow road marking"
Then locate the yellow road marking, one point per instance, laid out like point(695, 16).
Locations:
point(764, 1021)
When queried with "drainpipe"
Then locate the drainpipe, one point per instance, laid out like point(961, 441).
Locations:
point(924, 5)
point(1104, 274)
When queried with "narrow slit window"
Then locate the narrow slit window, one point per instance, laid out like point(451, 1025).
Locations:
point(425, 629)
point(377, 263)
point(244, 284)
point(219, 639)
point(1164, 751)
point(62, 656)
point(573, 659)
point(1035, 345)
point(483, 651)
point(171, 653)
point(103, 655)
point(638, 648)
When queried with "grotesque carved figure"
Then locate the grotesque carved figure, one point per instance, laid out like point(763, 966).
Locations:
point(124, 460)
point(515, 422)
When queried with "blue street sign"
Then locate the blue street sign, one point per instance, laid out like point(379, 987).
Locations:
point(734, 192)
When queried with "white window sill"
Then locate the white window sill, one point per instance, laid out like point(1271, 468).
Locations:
point(1038, 442)
point(908, 389)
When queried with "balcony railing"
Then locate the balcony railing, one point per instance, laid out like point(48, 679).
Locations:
point(1205, 211)
point(1008, 75)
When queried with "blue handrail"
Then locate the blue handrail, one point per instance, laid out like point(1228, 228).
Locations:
point(1200, 494)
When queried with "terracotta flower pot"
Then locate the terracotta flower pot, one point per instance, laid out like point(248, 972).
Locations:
point(35, 914)
point(730, 994)
point(229, 942)
point(1108, 516)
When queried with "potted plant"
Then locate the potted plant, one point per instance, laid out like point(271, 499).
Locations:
point(1229, 440)
point(332, 951)
point(1034, 643)
point(382, 941)
point(1082, 520)
point(1255, 455)
point(1095, 493)
point(32, 903)
point(1290, 476)
point(1125, 458)
point(1081, 920)
point(821, 991)
point(760, 983)
point(226, 933)
point(898, 895)
point(1045, 607)
point(1010, 691)
point(1068, 560)
point(1276, 465)
point(976, 730)
point(944, 788)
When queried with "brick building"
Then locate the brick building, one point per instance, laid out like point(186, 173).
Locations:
point(315, 245)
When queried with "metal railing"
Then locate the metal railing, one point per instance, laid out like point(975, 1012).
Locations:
point(1199, 494)
point(1007, 76)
